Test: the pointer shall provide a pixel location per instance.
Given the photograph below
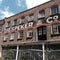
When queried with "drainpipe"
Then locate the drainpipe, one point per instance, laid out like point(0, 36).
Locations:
point(43, 48)
point(17, 52)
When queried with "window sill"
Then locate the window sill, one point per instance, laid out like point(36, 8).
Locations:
point(29, 38)
point(21, 23)
point(52, 35)
point(14, 25)
point(11, 39)
point(30, 21)
point(41, 18)
point(8, 27)
point(4, 40)
point(19, 39)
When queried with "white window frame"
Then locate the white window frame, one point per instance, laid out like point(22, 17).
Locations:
point(51, 10)
point(7, 24)
point(20, 36)
point(5, 37)
point(14, 22)
point(57, 31)
point(31, 17)
point(12, 36)
point(40, 15)
point(29, 31)
point(22, 19)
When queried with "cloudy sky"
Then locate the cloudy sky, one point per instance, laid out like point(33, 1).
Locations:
point(11, 7)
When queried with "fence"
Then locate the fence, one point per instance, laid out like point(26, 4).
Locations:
point(32, 54)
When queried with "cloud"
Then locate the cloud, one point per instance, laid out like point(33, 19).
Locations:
point(5, 13)
point(1, 1)
point(18, 2)
point(32, 3)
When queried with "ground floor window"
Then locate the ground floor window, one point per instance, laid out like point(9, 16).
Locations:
point(42, 33)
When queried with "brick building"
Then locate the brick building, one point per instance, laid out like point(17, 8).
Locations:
point(33, 29)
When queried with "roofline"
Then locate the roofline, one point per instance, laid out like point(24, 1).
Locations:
point(26, 10)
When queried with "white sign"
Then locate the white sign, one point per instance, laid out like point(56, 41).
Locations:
point(30, 24)
point(51, 19)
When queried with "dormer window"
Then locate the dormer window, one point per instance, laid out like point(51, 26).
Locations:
point(41, 14)
point(54, 9)
point(31, 17)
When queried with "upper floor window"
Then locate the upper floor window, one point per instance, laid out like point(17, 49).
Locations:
point(0, 26)
point(7, 24)
point(5, 37)
point(41, 14)
point(12, 36)
point(15, 22)
point(55, 29)
point(54, 9)
point(29, 33)
point(22, 20)
point(31, 17)
point(20, 35)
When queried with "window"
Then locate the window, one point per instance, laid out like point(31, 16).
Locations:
point(5, 37)
point(15, 22)
point(54, 9)
point(42, 30)
point(1, 26)
point(41, 14)
point(22, 20)
point(31, 17)
point(7, 24)
point(20, 35)
point(55, 29)
point(42, 33)
point(29, 33)
point(12, 36)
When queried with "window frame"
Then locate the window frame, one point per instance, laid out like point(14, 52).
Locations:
point(41, 14)
point(22, 20)
point(31, 17)
point(20, 35)
point(29, 33)
point(5, 37)
point(55, 11)
point(15, 22)
point(56, 26)
point(8, 24)
point(12, 36)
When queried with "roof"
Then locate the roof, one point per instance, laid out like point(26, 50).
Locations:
point(27, 10)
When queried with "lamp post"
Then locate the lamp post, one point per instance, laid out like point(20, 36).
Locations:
point(43, 48)
point(17, 52)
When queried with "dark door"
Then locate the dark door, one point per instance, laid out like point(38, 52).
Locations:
point(42, 33)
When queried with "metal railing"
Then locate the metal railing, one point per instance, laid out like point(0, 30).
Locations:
point(34, 54)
